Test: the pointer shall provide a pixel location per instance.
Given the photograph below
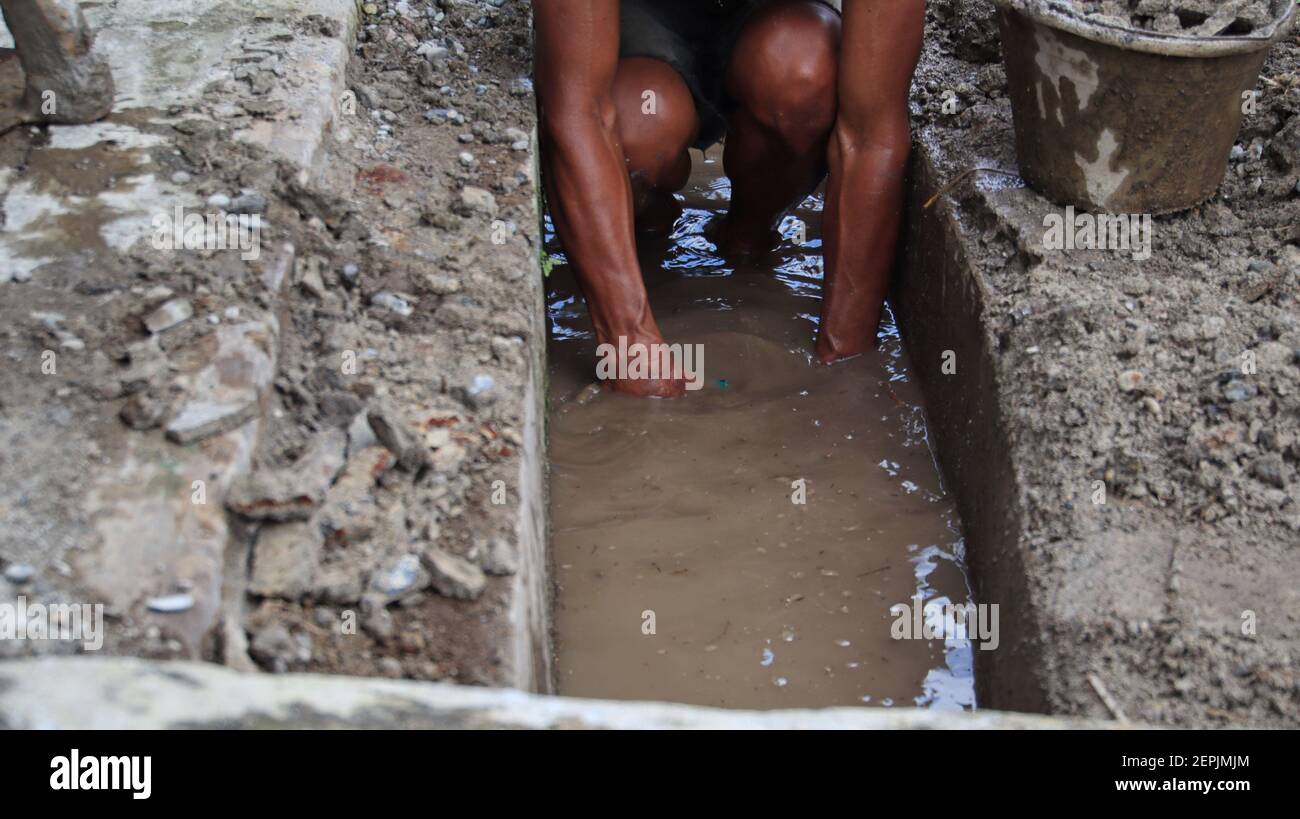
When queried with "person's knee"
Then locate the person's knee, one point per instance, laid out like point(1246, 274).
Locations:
point(657, 121)
point(785, 69)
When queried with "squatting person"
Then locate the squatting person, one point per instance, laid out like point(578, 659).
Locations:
point(797, 90)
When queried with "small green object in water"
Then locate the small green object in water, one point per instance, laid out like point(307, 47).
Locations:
point(548, 263)
point(723, 383)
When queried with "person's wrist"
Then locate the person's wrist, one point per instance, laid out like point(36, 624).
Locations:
point(635, 327)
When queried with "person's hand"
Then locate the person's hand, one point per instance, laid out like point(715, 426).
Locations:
point(648, 341)
point(829, 351)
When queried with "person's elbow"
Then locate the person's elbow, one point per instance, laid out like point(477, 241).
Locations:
point(884, 135)
point(559, 120)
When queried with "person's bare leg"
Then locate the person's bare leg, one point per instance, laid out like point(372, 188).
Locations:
point(66, 81)
point(783, 76)
point(657, 124)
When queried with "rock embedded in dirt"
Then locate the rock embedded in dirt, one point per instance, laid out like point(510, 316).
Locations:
point(367, 96)
point(168, 315)
point(273, 647)
point(394, 303)
point(442, 284)
point(19, 573)
point(436, 54)
point(379, 625)
point(285, 559)
point(1284, 150)
point(350, 513)
point(1235, 390)
point(223, 393)
point(1274, 357)
point(497, 556)
point(1271, 470)
point(361, 435)
point(477, 201)
point(146, 362)
point(453, 576)
point(1130, 380)
point(295, 492)
point(518, 139)
point(337, 585)
point(339, 407)
point(395, 580)
point(144, 410)
point(171, 603)
point(480, 392)
point(312, 283)
point(399, 436)
point(249, 203)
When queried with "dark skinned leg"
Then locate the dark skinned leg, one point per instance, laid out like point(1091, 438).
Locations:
point(783, 76)
point(657, 124)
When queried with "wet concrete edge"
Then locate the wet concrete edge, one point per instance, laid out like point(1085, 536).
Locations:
point(940, 300)
point(532, 600)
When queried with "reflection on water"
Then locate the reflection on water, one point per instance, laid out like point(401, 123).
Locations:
point(683, 513)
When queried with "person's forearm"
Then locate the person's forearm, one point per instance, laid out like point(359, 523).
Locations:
point(587, 184)
point(590, 197)
point(864, 205)
point(868, 159)
point(591, 202)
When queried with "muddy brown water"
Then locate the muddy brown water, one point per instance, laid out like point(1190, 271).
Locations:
point(686, 570)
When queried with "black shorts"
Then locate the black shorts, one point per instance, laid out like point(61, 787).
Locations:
point(695, 37)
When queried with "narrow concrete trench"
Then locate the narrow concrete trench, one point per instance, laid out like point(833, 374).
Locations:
point(1098, 464)
point(745, 546)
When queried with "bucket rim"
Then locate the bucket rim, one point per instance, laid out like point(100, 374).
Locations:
point(1061, 14)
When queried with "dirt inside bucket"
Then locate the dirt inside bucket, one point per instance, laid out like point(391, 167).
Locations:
point(1198, 18)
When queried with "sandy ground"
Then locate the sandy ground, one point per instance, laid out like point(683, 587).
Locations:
point(1172, 383)
point(373, 499)
point(433, 174)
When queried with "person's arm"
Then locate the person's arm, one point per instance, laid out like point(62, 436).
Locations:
point(588, 191)
point(868, 158)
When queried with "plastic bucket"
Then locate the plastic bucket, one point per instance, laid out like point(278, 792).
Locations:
point(1116, 119)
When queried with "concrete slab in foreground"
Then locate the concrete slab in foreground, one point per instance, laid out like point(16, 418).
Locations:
point(117, 693)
